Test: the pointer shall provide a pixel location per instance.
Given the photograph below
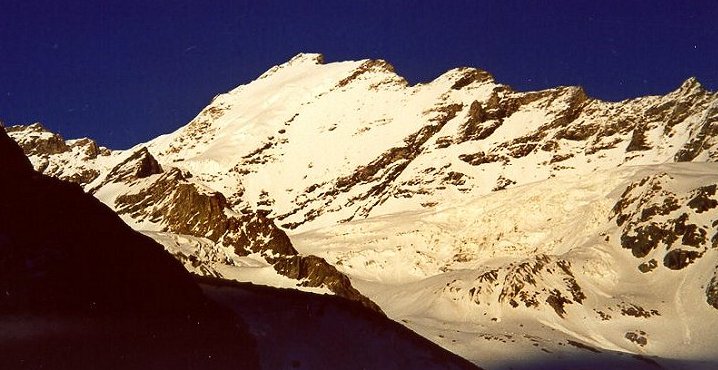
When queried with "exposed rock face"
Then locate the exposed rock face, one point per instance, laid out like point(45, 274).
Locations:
point(50, 154)
point(139, 165)
point(373, 66)
point(40, 141)
point(90, 148)
point(471, 75)
point(712, 290)
point(314, 271)
point(660, 223)
point(529, 284)
point(638, 337)
point(182, 207)
point(381, 172)
point(705, 139)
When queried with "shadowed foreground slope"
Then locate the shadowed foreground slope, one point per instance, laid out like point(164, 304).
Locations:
point(301, 330)
point(80, 289)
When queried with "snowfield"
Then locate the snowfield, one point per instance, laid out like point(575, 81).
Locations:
point(422, 267)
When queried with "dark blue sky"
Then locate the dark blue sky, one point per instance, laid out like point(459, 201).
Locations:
point(123, 72)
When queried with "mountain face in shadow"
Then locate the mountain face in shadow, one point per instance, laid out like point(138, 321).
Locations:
point(80, 289)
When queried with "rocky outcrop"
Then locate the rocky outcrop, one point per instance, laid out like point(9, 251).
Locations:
point(138, 165)
point(183, 207)
point(89, 148)
point(314, 271)
point(38, 140)
point(470, 76)
point(530, 284)
point(54, 156)
point(660, 223)
point(706, 139)
point(712, 290)
point(373, 66)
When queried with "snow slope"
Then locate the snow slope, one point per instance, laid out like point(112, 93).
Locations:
point(318, 144)
point(544, 263)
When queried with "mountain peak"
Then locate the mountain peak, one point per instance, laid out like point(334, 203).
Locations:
point(464, 76)
point(301, 58)
point(690, 85)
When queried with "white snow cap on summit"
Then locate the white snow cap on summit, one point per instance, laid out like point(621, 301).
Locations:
point(314, 58)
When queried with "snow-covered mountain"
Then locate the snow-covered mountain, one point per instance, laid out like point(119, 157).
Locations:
point(546, 223)
point(82, 290)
